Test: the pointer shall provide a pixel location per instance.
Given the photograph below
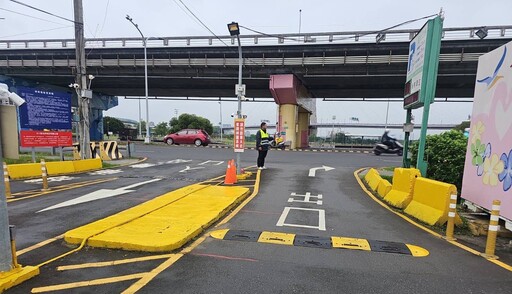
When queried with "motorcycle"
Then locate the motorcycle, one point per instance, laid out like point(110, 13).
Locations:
point(393, 148)
point(277, 143)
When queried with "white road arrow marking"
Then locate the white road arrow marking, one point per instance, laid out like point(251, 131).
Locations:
point(312, 171)
point(188, 168)
point(142, 165)
point(212, 162)
point(105, 172)
point(100, 194)
point(51, 179)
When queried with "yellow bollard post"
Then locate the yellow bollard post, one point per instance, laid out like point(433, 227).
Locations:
point(7, 182)
point(452, 212)
point(12, 233)
point(492, 233)
point(44, 175)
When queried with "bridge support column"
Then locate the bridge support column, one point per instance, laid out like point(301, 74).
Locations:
point(296, 109)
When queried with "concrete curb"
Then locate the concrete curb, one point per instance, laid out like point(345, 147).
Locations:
point(17, 276)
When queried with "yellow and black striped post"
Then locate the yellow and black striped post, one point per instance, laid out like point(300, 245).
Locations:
point(7, 182)
point(452, 212)
point(12, 233)
point(492, 233)
point(44, 174)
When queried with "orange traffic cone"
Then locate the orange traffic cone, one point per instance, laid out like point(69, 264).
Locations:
point(230, 173)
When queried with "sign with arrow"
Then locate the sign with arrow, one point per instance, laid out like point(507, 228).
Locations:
point(312, 171)
point(99, 194)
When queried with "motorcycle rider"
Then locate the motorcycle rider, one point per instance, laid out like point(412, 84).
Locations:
point(388, 140)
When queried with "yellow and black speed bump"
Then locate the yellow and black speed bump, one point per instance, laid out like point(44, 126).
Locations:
point(320, 242)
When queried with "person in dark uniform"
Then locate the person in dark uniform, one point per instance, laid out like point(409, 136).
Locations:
point(262, 144)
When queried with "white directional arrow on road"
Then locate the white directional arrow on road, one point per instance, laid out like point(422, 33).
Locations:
point(312, 171)
point(100, 194)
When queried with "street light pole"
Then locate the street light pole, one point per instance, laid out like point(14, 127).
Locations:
point(144, 41)
point(234, 29)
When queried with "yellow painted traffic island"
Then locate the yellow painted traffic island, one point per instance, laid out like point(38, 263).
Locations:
point(17, 276)
point(165, 223)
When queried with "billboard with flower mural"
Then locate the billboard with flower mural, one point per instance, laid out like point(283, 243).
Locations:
point(488, 166)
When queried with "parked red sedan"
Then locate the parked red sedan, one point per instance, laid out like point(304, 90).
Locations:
point(189, 136)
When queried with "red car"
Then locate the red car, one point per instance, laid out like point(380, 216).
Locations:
point(189, 136)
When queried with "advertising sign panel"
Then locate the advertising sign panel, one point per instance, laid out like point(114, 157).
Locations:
point(45, 139)
point(488, 165)
point(45, 109)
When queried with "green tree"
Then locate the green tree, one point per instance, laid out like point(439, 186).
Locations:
point(190, 121)
point(445, 154)
point(112, 124)
point(161, 129)
point(462, 126)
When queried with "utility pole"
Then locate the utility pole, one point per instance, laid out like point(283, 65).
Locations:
point(5, 244)
point(81, 80)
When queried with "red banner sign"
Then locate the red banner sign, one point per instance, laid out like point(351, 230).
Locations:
point(46, 139)
point(239, 135)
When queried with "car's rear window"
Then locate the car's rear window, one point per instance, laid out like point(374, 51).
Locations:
point(204, 133)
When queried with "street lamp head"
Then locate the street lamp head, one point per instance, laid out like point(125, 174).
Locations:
point(129, 18)
point(234, 29)
point(91, 77)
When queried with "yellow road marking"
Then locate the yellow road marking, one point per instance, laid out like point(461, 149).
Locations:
point(243, 204)
point(38, 245)
point(87, 283)
point(461, 246)
point(219, 234)
point(151, 275)
point(111, 263)
point(350, 243)
point(59, 189)
point(276, 238)
point(146, 278)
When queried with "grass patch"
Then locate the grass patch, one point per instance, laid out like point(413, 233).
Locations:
point(108, 165)
point(389, 168)
point(27, 158)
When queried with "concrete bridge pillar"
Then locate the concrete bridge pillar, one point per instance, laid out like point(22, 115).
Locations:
point(296, 111)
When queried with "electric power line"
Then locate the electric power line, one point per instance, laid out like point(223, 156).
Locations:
point(42, 11)
point(27, 15)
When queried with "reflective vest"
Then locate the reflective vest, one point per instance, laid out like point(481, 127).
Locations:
point(264, 138)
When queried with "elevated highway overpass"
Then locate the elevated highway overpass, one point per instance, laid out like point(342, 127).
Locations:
point(332, 65)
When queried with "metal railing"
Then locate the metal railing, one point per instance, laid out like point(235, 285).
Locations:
point(231, 62)
point(461, 33)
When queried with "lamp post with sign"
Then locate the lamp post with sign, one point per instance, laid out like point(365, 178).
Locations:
point(420, 86)
point(234, 30)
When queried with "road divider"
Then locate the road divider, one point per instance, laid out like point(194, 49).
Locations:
point(431, 201)
point(320, 242)
point(403, 185)
point(165, 223)
point(373, 178)
point(33, 170)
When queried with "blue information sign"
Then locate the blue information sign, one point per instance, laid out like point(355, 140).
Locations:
point(45, 109)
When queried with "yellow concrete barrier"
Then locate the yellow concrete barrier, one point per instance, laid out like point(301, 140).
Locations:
point(403, 185)
point(87, 164)
point(372, 178)
point(430, 201)
point(60, 167)
point(24, 170)
point(383, 188)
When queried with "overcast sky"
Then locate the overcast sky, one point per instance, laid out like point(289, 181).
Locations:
point(104, 18)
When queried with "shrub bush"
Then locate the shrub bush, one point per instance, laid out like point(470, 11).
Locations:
point(445, 154)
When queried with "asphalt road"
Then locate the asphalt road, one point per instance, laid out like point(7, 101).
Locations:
point(222, 266)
